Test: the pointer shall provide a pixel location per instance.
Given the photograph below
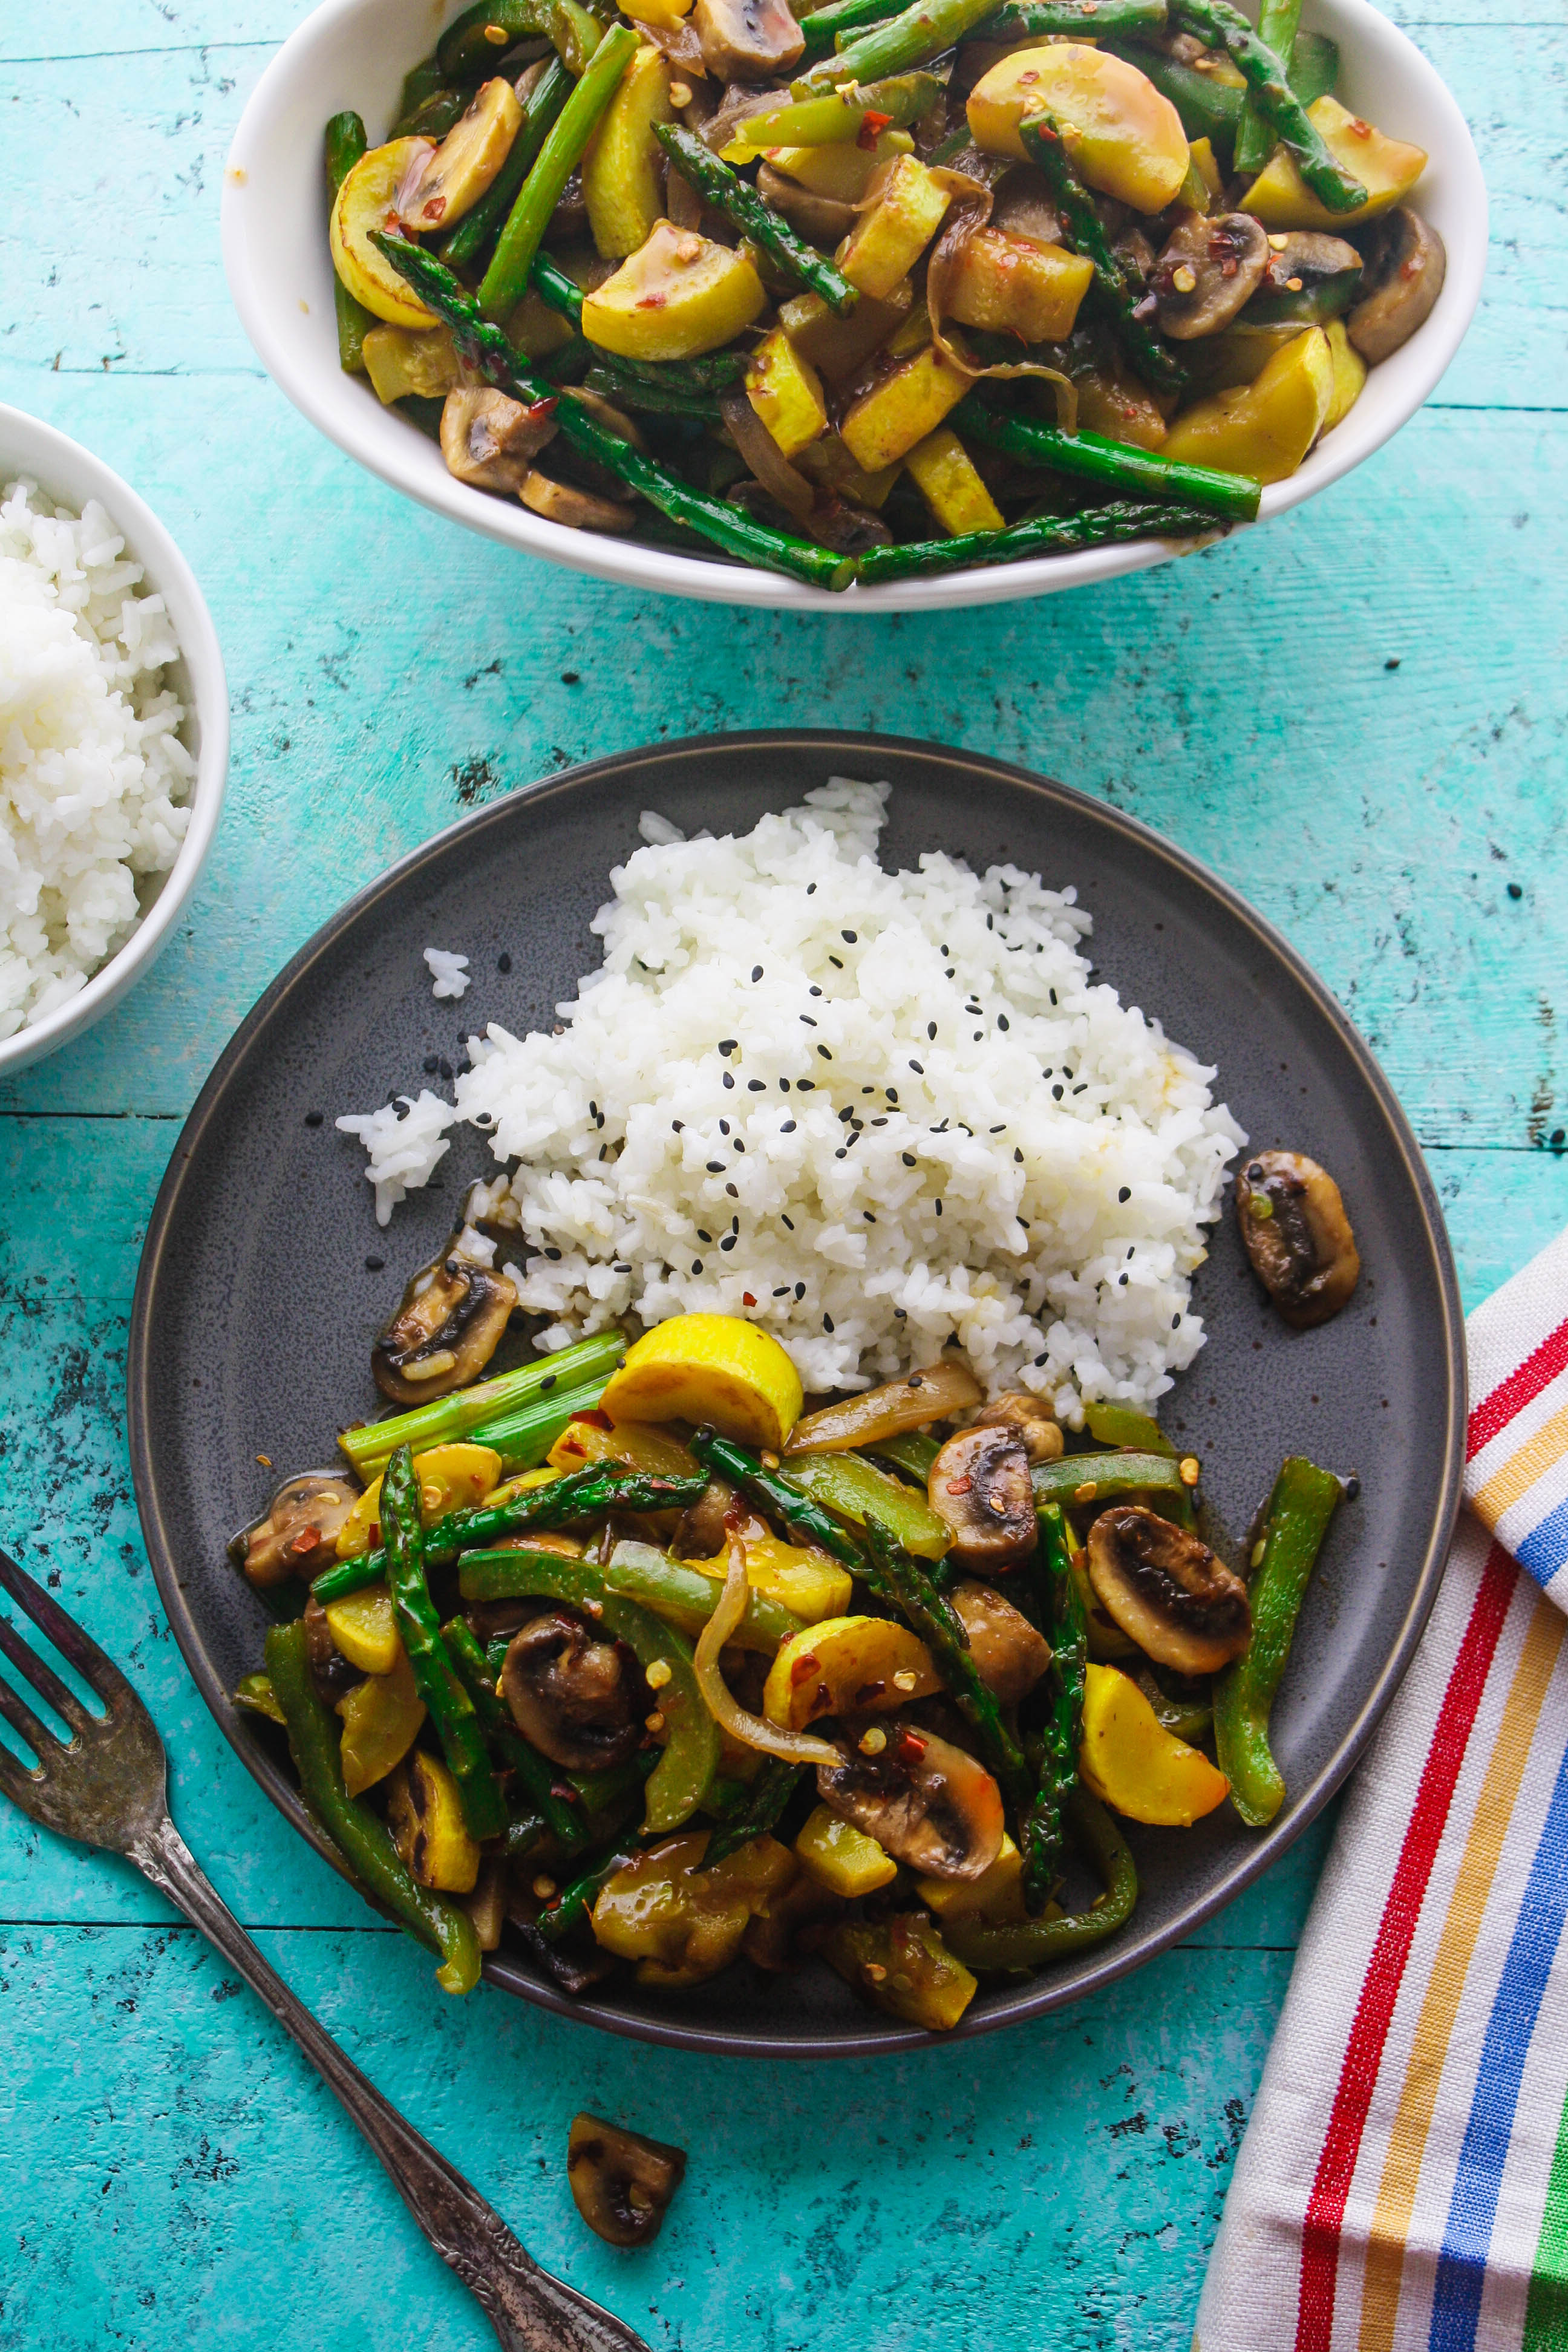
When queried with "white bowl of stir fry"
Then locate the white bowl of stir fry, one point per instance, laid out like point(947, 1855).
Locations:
point(865, 310)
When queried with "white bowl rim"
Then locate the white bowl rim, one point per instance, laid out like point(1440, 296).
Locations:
point(1361, 28)
point(72, 475)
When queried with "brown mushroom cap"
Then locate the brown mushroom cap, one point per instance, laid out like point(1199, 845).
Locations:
point(1009, 1654)
point(297, 1534)
point(579, 1699)
point(490, 441)
point(1167, 1591)
point(447, 1328)
point(1029, 1418)
point(1296, 1233)
point(925, 1802)
point(1406, 265)
point(748, 40)
point(1208, 269)
point(621, 2182)
point(979, 1487)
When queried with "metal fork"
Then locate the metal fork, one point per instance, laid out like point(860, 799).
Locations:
point(108, 1787)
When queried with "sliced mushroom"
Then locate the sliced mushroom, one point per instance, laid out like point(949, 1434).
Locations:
point(700, 1535)
point(621, 2182)
point(925, 1802)
point(1009, 1655)
point(1406, 265)
point(1295, 1229)
point(330, 1670)
point(462, 168)
point(558, 502)
point(580, 1699)
point(491, 441)
point(1208, 271)
point(820, 218)
point(448, 1324)
point(297, 1535)
point(1029, 1418)
point(739, 100)
point(614, 420)
point(748, 40)
point(1167, 1591)
point(1022, 205)
point(979, 1487)
point(1309, 279)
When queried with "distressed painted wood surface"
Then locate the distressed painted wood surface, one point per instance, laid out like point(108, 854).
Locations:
point(1358, 717)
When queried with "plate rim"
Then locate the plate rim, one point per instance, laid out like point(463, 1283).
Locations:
point(1041, 1996)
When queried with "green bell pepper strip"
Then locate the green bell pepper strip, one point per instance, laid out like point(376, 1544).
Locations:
point(345, 143)
point(685, 1597)
point(1077, 1479)
point(1030, 1944)
point(476, 228)
point(486, 351)
point(838, 115)
point(1120, 294)
point(1054, 1752)
point(1209, 109)
point(450, 1707)
point(360, 1836)
point(581, 1495)
point(897, 1576)
point(908, 39)
point(1107, 526)
point(1072, 20)
point(576, 33)
point(912, 1452)
point(776, 1492)
point(536, 1776)
point(758, 1810)
point(680, 1779)
point(741, 204)
point(1192, 1720)
point(1304, 1502)
point(858, 1490)
point(574, 1902)
point(469, 45)
point(1224, 28)
point(1114, 466)
point(505, 282)
point(824, 26)
point(421, 83)
point(1278, 21)
point(449, 1418)
point(1126, 1430)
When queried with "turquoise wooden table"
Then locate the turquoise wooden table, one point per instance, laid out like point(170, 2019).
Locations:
point(1357, 715)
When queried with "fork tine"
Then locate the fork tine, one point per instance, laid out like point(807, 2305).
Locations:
point(22, 1719)
point(96, 1670)
point(18, 1783)
point(44, 1679)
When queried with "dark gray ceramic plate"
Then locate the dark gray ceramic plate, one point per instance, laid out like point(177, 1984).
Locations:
point(254, 1308)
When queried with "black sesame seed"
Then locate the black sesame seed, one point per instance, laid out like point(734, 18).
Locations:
point(1017, 1155)
point(697, 1265)
point(836, 961)
point(1125, 1193)
point(1352, 1489)
point(891, 1093)
point(930, 1030)
point(808, 1021)
point(703, 1236)
point(788, 1224)
point(619, 1268)
point(870, 1220)
point(938, 1208)
point(1122, 1281)
point(800, 1287)
point(782, 1290)
point(1176, 1322)
point(1002, 1022)
point(805, 1085)
point(825, 1054)
point(552, 1254)
point(998, 1130)
point(755, 1086)
point(908, 1158)
point(827, 1322)
point(851, 937)
point(727, 1046)
point(432, 1063)
point(730, 1080)
point(1039, 1361)
point(504, 963)
point(715, 1166)
point(811, 889)
point(547, 1383)
point(738, 1144)
point(900, 1314)
point(756, 971)
point(783, 1085)
point(724, 1127)
point(842, 1152)
point(919, 1069)
point(375, 1265)
point(677, 1126)
point(446, 1069)
point(1055, 1094)
point(728, 1243)
point(788, 1127)
point(312, 1119)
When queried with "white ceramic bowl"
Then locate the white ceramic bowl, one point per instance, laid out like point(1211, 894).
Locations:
point(72, 476)
point(354, 53)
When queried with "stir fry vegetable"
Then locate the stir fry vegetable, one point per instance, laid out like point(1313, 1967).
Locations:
point(877, 294)
point(716, 1681)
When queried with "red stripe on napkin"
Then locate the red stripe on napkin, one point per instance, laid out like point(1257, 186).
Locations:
point(1396, 1931)
point(1511, 1396)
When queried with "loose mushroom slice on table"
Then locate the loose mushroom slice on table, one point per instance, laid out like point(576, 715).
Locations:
point(1405, 264)
point(490, 441)
point(449, 1322)
point(925, 1802)
point(979, 1485)
point(578, 1698)
point(1296, 1233)
point(1208, 269)
point(621, 2181)
point(1167, 1591)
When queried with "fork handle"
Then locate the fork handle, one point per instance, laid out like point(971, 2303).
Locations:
point(530, 2311)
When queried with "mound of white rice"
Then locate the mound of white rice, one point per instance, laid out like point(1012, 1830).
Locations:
point(93, 777)
point(876, 1112)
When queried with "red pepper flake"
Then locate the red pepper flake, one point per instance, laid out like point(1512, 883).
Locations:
point(872, 126)
point(746, 1299)
point(654, 301)
point(307, 1540)
point(433, 209)
point(911, 1747)
point(959, 1486)
point(803, 1670)
point(540, 409)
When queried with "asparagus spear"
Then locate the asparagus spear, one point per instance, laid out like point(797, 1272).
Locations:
point(475, 230)
point(778, 1493)
point(823, 26)
point(345, 143)
point(1053, 1754)
point(486, 351)
point(908, 39)
point(1111, 465)
point(741, 204)
point(505, 282)
point(446, 1418)
point(764, 1800)
point(1277, 23)
point(451, 1709)
point(634, 392)
point(1073, 20)
point(1224, 28)
point(1045, 535)
point(1044, 145)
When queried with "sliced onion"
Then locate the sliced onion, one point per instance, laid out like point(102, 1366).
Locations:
point(940, 1390)
point(765, 458)
point(751, 1730)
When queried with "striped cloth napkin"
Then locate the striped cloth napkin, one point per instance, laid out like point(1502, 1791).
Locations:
point(1403, 2181)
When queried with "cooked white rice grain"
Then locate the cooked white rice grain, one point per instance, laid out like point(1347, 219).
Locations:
point(450, 972)
point(94, 780)
point(405, 1152)
point(875, 1112)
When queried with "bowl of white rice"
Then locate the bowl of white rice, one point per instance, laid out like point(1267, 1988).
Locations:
point(113, 738)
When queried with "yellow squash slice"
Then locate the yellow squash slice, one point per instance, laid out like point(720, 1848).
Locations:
point(713, 1369)
point(1264, 428)
point(1138, 1767)
point(1123, 137)
point(1387, 169)
point(366, 201)
point(678, 295)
